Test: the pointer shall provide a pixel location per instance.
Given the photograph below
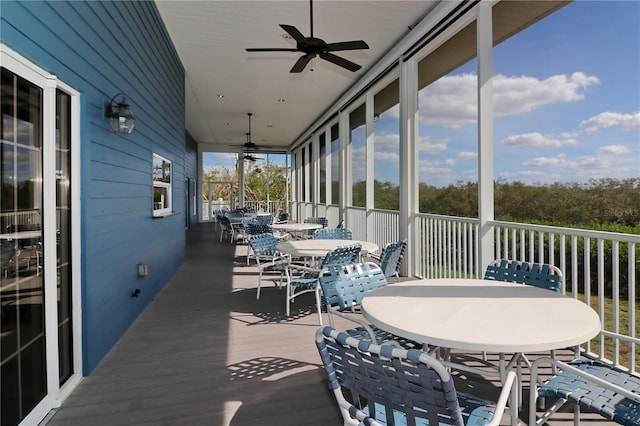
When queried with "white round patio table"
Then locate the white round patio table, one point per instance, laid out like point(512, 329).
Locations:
point(319, 248)
point(483, 315)
point(296, 227)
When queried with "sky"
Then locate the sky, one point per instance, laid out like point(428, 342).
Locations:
point(566, 105)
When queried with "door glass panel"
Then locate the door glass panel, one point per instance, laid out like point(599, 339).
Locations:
point(63, 234)
point(22, 364)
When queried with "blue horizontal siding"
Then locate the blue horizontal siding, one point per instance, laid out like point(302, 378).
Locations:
point(101, 49)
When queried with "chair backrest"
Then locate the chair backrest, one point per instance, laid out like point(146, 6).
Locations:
point(333, 234)
point(536, 274)
point(320, 220)
point(387, 382)
point(339, 257)
point(264, 219)
point(263, 244)
point(345, 288)
point(391, 257)
point(253, 227)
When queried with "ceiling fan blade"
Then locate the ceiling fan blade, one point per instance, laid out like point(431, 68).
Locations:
point(347, 45)
point(301, 63)
point(269, 49)
point(293, 32)
point(344, 63)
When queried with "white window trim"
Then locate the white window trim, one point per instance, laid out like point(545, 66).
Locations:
point(168, 186)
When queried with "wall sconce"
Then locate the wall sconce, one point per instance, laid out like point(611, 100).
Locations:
point(120, 115)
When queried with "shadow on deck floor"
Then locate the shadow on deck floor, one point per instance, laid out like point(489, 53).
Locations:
point(206, 352)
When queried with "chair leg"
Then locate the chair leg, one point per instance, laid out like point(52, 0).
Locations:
point(259, 282)
point(318, 304)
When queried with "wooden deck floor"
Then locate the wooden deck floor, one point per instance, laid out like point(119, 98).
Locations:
point(206, 352)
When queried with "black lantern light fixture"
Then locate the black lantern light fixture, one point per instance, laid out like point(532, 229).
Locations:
point(120, 116)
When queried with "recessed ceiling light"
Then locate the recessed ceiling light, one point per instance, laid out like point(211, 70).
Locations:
point(227, 123)
point(269, 125)
point(287, 36)
point(220, 96)
point(281, 100)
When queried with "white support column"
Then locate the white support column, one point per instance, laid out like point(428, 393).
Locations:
point(409, 176)
point(369, 155)
point(485, 136)
point(240, 179)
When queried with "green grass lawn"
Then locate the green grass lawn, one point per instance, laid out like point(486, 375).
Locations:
point(623, 325)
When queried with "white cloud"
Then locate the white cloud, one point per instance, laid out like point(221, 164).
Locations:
point(467, 155)
point(452, 100)
point(545, 162)
point(536, 140)
point(612, 119)
point(613, 150)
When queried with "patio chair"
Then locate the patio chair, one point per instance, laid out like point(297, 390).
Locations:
point(388, 385)
point(319, 220)
point(391, 257)
point(537, 274)
point(343, 290)
point(307, 281)
point(225, 228)
point(333, 234)
point(264, 219)
point(589, 384)
point(281, 217)
point(540, 275)
point(268, 258)
point(251, 228)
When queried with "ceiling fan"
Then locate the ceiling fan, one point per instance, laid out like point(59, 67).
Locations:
point(252, 158)
point(248, 145)
point(312, 47)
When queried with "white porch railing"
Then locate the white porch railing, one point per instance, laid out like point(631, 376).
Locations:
point(600, 268)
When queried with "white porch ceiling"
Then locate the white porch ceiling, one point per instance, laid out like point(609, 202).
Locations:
point(211, 37)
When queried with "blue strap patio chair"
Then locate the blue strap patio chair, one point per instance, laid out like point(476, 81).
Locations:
point(392, 386)
point(536, 274)
point(589, 384)
point(268, 258)
point(540, 275)
point(264, 219)
point(318, 220)
point(333, 234)
point(343, 290)
point(390, 259)
point(251, 228)
point(307, 279)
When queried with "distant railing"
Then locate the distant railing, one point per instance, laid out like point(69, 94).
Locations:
point(210, 208)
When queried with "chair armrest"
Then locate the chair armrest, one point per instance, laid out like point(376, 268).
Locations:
point(587, 376)
point(374, 256)
point(302, 268)
point(358, 321)
point(509, 393)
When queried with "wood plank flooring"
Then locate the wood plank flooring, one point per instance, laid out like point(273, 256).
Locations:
point(206, 352)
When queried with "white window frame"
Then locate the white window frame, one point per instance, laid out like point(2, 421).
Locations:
point(165, 186)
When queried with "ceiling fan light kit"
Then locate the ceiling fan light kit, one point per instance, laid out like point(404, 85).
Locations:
point(312, 47)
